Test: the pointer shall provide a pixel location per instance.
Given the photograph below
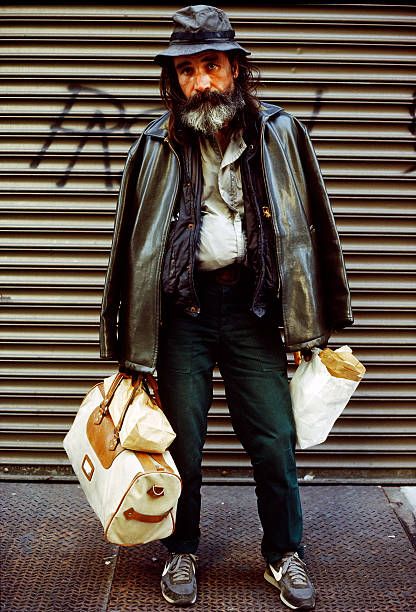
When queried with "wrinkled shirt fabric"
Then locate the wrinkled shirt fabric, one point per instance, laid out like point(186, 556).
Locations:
point(222, 238)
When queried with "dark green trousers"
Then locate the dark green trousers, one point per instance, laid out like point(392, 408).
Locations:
point(252, 362)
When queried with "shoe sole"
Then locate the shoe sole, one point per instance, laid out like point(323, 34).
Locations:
point(178, 602)
point(272, 581)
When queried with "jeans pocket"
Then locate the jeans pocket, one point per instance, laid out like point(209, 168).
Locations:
point(272, 355)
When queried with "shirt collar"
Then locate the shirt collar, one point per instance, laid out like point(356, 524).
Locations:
point(234, 150)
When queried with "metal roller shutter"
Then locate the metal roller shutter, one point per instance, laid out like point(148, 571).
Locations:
point(78, 85)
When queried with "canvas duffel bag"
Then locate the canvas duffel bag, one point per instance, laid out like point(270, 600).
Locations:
point(134, 494)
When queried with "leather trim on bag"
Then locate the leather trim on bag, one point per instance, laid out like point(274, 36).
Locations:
point(108, 398)
point(173, 521)
point(161, 461)
point(87, 467)
point(140, 475)
point(101, 388)
point(154, 462)
point(132, 515)
point(156, 491)
point(100, 437)
point(151, 381)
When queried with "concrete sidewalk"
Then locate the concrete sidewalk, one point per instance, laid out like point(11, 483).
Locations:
point(358, 550)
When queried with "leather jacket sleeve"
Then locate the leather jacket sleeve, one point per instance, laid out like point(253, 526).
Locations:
point(109, 346)
point(324, 234)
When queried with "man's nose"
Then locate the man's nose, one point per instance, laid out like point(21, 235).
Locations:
point(202, 81)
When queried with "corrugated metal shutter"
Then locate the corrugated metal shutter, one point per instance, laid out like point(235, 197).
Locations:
point(77, 86)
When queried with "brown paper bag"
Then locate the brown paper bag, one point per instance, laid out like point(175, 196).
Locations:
point(342, 363)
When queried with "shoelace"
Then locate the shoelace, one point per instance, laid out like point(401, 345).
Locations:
point(293, 566)
point(181, 567)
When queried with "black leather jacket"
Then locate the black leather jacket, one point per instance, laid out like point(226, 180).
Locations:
point(312, 282)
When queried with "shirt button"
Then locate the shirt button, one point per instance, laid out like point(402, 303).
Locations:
point(190, 226)
point(193, 309)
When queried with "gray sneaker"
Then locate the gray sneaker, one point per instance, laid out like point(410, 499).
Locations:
point(178, 581)
point(290, 577)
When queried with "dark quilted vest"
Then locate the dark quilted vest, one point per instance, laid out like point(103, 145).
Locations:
point(179, 261)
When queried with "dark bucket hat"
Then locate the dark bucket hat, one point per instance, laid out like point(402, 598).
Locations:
point(200, 28)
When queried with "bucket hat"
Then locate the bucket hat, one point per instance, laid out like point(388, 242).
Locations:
point(200, 28)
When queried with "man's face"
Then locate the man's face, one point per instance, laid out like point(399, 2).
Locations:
point(211, 97)
point(206, 71)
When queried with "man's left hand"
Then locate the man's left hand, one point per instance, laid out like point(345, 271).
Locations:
point(306, 354)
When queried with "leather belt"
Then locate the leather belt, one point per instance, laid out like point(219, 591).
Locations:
point(230, 275)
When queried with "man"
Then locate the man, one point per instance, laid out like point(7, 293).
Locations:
point(223, 236)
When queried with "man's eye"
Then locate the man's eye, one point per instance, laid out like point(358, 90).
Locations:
point(212, 66)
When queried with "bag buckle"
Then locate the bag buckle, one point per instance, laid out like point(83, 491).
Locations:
point(101, 412)
point(114, 441)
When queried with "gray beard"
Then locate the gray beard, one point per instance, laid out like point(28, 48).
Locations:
point(209, 112)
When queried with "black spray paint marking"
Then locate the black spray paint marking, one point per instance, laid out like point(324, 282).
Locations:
point(316, 109)
point(97, 126)
point(412, 128)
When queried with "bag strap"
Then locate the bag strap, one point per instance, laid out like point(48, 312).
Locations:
point(112, 390)
point(136, 386)
point(148, 461)
point(151, 381)
point(104, 406)
point(159, 458)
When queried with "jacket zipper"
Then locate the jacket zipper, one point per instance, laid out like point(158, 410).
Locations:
point(272, 213)
point(253, 202)
point(196, 224)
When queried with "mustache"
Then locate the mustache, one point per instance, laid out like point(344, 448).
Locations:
point(209, 99)
point(207, 112)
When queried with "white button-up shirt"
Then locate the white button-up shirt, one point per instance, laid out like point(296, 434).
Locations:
point(222, 240)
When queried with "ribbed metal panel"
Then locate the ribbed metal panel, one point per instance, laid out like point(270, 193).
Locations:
point(77, 86)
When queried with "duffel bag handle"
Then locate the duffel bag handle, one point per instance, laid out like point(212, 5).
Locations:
point(104, 407)
point(151, 381)
point(136, 386)
point(105, 404)
point(132, 515)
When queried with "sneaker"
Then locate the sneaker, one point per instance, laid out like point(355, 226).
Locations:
point(178, 581)
point(290, 577)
